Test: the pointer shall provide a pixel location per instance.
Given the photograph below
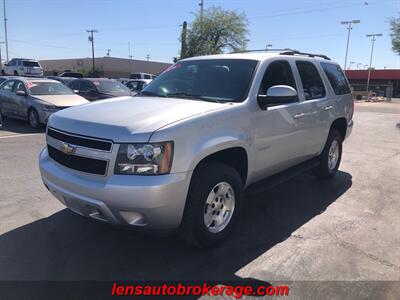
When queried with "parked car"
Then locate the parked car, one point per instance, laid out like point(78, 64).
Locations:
point(71, 74)
point(142, 76)
point(136, 85)
point(180, 154)
point(99, 88)
point(34, 99)
point(64, 80)
point(22, 67)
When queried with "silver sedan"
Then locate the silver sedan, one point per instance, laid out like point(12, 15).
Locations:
point(35, 99)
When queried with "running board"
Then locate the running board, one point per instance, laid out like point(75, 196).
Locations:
point(277, 179)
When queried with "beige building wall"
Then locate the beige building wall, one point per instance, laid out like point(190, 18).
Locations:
point(110, 66)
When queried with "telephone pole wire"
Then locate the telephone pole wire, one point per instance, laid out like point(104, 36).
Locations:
point(91, 39)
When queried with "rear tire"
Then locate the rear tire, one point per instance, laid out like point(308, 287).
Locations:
point(33, 118)
point(330, 157)
point(213, 205)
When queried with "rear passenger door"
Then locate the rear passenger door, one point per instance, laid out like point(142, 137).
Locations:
point(315, 104)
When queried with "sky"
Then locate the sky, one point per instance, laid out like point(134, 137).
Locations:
point(48, 29)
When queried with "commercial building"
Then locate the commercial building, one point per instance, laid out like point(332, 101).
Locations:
point(381, 81)
point(113, 67)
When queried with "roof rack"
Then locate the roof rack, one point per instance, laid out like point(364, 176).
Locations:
point(295, 52)
point(265, 50)
point(286, 51)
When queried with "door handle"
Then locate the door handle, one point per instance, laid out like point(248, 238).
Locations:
point(328, 107)
point(298, 116)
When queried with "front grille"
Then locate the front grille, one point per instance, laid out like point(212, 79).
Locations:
point(80, 140)
point(79, 163)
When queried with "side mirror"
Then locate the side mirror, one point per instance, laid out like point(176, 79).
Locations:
point(277, 95)
point(21, 93)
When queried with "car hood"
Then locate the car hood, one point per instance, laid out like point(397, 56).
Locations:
point(62, 100)
point(127, 119)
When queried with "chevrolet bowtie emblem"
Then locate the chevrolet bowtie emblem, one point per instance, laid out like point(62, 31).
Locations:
point(67, 148)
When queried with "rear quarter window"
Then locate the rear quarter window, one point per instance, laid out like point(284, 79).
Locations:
point(336, 78)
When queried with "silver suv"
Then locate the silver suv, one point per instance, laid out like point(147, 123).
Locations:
point(23, 67)
point(180, 154)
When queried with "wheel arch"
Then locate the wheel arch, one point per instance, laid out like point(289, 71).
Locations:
point(340, 124)
point(234, 155)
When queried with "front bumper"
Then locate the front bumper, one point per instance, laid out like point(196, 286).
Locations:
point(152, 202)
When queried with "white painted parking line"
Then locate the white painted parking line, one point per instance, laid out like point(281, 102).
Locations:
point(19, 135)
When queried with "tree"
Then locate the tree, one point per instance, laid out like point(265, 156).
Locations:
point(395, 28)
point(219, 30)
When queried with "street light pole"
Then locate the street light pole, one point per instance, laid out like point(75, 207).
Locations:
point(201, 4)
point(349, 28)
point(91, 39)
point(373, 39)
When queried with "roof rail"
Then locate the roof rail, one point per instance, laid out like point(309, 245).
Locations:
point(295, 52)
point(264, 50)
point(285, 51)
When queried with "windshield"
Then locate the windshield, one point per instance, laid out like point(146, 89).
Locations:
point(111, 86)
point(30, 64)
point(212, 80)
point(48, 88)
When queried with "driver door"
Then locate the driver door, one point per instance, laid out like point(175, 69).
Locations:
point(20, 102)
point(278, 131)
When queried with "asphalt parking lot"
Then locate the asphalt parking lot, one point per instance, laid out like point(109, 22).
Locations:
point(347, 229)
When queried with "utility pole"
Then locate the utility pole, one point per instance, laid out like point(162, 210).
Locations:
point(373, 39)
point(108, 52)
point(1, 61)
point(5, 28)
point(349, 28)
point(267, 46)
point(183, 40)
point(91, 39)
point(130, 58)
point(147, 57)
point(201, 4)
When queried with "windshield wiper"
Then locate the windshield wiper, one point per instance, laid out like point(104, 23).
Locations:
point(147, 93)
point(191, 96)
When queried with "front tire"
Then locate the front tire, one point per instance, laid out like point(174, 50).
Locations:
point(330, 157)
point(33, 119)
point(213, 205)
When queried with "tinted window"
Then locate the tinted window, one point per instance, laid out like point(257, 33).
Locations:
point(132, 85)
point(110, 86)
point(19, 86)
point(135, 76)
point(277, 73)
point(336, 78)
point(207, 80)
point(48, 88)
point(74, 85)
point(86, 86)
point(146, 76)
point(312, 83)
point(28, 63)
point(8, 86)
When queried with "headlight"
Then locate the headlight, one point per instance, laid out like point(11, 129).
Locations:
point(50, 108)
point(144, 159)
